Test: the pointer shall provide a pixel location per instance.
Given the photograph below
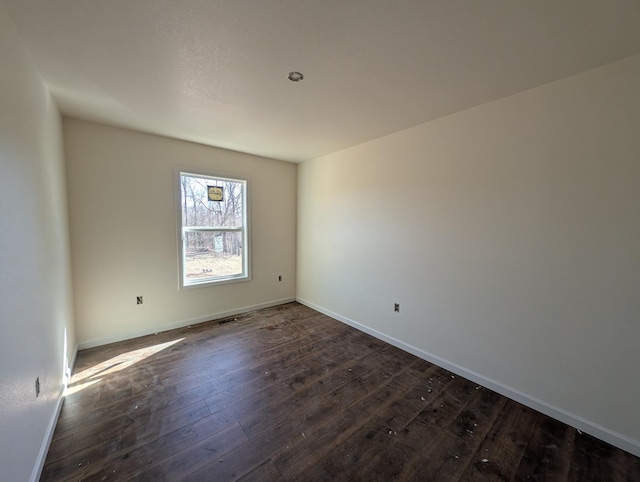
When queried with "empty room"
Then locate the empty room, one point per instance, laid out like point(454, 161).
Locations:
point(337, 240)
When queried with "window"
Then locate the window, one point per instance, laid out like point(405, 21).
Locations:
point(213, 229)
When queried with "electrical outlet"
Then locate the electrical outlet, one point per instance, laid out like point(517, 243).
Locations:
point(37, 386)
point(138, 300)
point(396, 307)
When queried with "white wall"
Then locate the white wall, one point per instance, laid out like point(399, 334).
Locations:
point(35, 286)
point(510, 236)
point(123, 228)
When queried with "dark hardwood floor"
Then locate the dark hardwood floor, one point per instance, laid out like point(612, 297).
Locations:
point(287, 393)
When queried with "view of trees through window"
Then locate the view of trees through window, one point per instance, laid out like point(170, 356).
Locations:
point(213, 228)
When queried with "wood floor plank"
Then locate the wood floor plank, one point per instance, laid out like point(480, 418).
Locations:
point(549, 452)
point(279, 439)
point(362, 446)
point(321, 434)
point(262, 473)
point(176, 453)
point(499, 454)
point(286, 393)
point(592, 458)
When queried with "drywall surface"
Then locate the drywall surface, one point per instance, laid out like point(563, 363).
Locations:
point(510, 236)
point(124, 232)
point(36, 323)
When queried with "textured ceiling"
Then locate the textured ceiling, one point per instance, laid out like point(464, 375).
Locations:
point(215, 71)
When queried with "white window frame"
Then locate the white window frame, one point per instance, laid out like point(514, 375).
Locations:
point(245, 230)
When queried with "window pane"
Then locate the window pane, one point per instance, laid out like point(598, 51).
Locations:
point(213, 254)
point(224, 207)
point(213, 226)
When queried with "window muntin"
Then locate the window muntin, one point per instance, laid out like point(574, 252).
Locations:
point(213, 229)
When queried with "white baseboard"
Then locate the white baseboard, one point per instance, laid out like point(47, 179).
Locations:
point(72, 363)
point(603, 433)
point(51, 428)
point(179, 324)
point(44, 448)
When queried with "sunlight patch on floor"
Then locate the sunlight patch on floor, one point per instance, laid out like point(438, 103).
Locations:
point(112, 365)
point(70, 390)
